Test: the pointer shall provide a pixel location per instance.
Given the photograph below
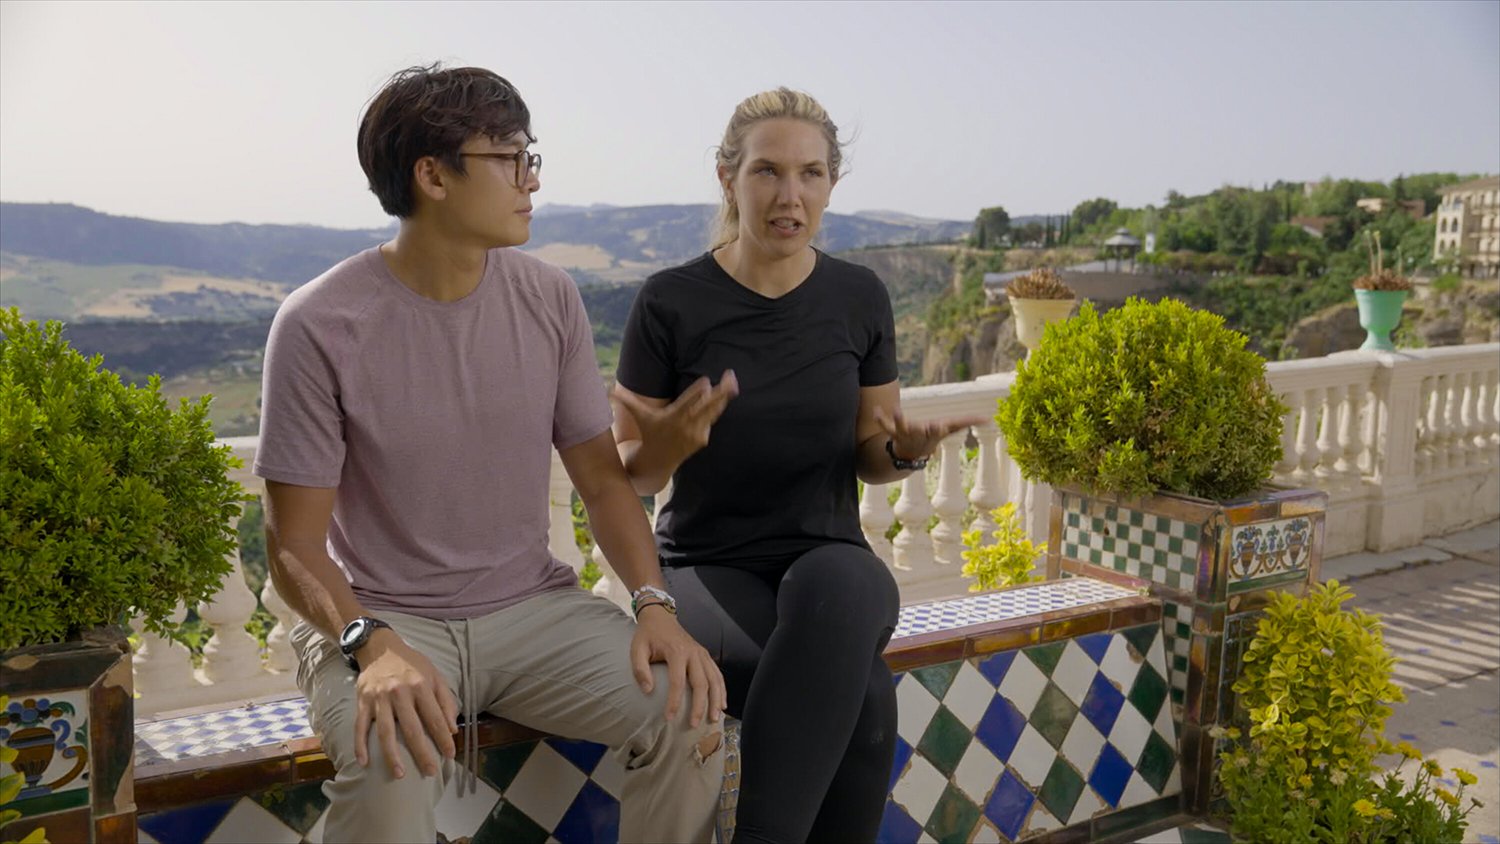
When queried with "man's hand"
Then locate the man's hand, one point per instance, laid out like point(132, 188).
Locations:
point(659, 638)
point(681, 428)
point(399, 687)
point(915, 440)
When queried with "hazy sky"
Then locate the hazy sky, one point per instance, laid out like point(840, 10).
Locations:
point(216, 112)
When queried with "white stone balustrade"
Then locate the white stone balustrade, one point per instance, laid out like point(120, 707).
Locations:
point(1406, 444)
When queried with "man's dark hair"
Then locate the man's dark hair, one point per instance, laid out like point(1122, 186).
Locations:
point(432, 111)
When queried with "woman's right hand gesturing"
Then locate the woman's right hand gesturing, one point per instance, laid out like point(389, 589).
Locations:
point(681, 428)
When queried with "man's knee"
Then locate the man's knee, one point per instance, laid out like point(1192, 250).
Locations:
point(657, 734)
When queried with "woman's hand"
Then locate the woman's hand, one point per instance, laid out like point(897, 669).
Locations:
point(915, 440)
point(680, 428)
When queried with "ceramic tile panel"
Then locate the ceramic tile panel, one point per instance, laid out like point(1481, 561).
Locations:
point(1268, 551)
point(210, 733)
point(1021, 742)
point(1152, 547)
point(50, 734)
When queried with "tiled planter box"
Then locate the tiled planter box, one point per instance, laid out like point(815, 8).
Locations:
point(71, 716)
point(1213, 564)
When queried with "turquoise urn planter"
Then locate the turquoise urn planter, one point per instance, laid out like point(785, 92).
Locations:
point(1379, 311)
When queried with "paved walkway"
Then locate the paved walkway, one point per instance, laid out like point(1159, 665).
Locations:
point(1440, 603)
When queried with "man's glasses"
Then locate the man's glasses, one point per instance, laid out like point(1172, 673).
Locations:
point(526, 162)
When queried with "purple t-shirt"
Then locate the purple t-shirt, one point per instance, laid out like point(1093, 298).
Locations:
point(435, 421)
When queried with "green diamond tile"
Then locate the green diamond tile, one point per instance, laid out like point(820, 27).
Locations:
point(944, 741)
point(1060, 790)
point(1142, 638)
point(1133, 550)
point(499, 765)
point(1096, 557)
point(1148, 538)
point(1191, 533)
point(298, 806)
point(1046, 656)
point(1148, 692)
point(1156, 762)
point(1137, 518)
point(508, 825)
point(1053, 715)
point(953, 818)
point(1174, 545)
point(937, 678)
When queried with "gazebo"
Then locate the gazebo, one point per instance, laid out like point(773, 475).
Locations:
point(1121, 246)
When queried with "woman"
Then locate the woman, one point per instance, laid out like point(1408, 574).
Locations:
point(760, 540)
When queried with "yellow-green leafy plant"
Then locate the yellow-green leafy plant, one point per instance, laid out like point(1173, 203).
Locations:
point(110, 501)
point(1315, 691)
point(1041, 283)
point(1144, 398)
point(1005, 562)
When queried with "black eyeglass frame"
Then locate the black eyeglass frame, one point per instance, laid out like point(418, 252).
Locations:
point(526, 162)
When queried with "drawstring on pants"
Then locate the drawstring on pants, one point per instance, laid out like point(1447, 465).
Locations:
point(469, 775)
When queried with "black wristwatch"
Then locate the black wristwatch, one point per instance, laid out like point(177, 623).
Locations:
point(356, 634)
point(901, 463)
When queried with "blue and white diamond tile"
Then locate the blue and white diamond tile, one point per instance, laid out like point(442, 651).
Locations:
point(240, 728)
point(1064, 731)
point(1006, 604)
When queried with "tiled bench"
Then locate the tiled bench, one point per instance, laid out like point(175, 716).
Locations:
point(1035, 713)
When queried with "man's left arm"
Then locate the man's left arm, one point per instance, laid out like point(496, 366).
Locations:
point(620, 527)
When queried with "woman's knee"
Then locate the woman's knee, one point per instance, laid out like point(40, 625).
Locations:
point(844, 580)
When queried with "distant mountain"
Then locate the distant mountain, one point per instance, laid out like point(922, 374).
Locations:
point(286, 254)
point(603, 243)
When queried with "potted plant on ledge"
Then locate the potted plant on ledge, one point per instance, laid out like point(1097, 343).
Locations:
point(111, 504)
point(1380, 297)
point(1036, 299)
point(1158, 431)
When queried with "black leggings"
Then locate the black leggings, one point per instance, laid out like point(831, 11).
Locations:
point(800, 644)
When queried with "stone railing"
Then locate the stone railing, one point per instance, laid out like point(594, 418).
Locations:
point(1407, 445)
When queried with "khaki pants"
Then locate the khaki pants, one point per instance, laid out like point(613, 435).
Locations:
point(558, 662)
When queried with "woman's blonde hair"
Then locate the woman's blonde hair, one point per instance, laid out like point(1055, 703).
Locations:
point(767, 105)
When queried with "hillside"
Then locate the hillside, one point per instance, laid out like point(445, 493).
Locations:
point(600, 243)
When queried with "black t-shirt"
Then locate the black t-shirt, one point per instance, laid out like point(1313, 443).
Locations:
point(777, 476)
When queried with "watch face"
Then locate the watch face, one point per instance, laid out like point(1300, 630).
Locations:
point(354, 634)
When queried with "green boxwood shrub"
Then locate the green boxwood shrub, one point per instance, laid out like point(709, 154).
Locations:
point(1145, 398)
point(110, 502)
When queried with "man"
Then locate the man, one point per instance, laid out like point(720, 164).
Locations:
point(411, 398)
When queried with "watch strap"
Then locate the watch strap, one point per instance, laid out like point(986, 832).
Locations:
point(901, 463)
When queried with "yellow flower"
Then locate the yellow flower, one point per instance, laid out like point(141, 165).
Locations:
point(1446, 796)
point(1365, 808)
point(1464, 776)
point(1386, 813)
point(1406, 749)
point(1233, 733)
point(1432, 767)
point(1305, 781)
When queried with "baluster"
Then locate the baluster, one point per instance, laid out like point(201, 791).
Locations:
point(949, 503)
point(1350, 433)
point(1495, 409)
point(1489, 434)
point(1328, 443)
point(987, 493)
point(608, 585)
point(1479, 434)
point(1427, 428)
point(875, 517)
point(913, 548)
point(231, 653)
point(1469, 414)
point(1289, 422)
point(279, 653)
point(1369, 428)
point(163, 667)
point(1453, 445)
point(1307, 435)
